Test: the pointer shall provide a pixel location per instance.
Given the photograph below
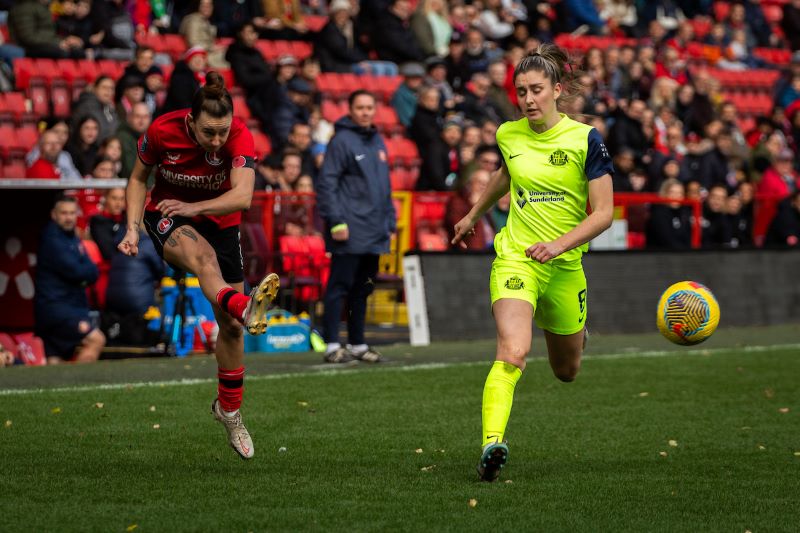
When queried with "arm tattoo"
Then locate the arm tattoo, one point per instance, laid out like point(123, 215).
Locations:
point(172, 241)
point(189, 233)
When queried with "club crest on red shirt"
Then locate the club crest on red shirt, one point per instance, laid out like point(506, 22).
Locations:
point(213, 159)
point(164, 224)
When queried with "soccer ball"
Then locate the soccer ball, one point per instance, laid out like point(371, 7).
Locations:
point(687, 313)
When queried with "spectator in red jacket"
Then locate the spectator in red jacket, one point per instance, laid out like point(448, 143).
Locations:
point(461, 203)
point(46, 166)
point(780, 180)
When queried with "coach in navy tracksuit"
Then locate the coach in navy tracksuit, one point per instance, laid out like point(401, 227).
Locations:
point(63, 271)
point(355, 201)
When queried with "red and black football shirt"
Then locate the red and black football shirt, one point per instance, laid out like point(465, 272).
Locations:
point(188, 173)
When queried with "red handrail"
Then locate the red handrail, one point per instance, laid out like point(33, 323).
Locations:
point(637, 198)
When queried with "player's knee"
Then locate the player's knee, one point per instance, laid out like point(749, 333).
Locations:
point(514, 354)
point(230, 328)
point(567, 373)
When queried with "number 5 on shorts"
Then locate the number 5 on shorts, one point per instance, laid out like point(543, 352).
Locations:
point(582, 303)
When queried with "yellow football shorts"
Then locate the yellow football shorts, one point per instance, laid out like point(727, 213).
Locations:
point(557, 291)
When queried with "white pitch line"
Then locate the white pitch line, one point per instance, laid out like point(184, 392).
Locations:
point(328, 372)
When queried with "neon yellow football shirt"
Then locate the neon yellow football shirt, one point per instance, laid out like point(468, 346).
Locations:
point(550, 173)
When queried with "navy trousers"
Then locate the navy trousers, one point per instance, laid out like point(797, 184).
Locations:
point(351, 279)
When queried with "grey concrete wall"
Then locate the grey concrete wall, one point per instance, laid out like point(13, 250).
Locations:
point(759, 287)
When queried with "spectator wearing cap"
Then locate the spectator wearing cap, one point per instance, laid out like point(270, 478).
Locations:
point(293, 107)
point(456, 63)
point(197, 29)
point(136, 123)
point(436, 69)
point(337, 45)
point(441, 163)
point(284, 20)
point(143, 66)
point(31, 26)
point(286, 69)
point(404, 99)
point(189, 73)
point(98, 102)
point(431, 27)
point(393, 38)
point(253, 73)
point(780, 179)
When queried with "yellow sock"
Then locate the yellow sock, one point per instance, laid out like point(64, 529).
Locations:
point(498, 395)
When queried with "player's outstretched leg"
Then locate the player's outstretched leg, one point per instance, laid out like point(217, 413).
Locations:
point(251, 311)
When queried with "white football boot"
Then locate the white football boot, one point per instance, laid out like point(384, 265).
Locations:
point(238, 437)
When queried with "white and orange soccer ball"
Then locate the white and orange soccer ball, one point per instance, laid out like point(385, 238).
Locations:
point(687, 313)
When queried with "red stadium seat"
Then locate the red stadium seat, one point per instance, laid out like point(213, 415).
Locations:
point(240, 108)
point(30, 349)
point(61, 99)
point(432, 239)
point(262, 144)
point(88, 69)
point(23, 69)
point(15, 170)
point(27, 137)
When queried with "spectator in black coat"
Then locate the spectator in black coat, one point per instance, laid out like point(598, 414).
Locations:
point(83, 145)
point(669, 226)
point(627, 131)
point(441, 164)
point(458, 71)
point(112, 18)
point(791, 23)
point(426, 126)
point(98, 103)
point(476, 104)
point(393, 38)
point(108, 226)
point(740, 221)
point(291, 109)
point(337, 44)
point(253, 73)
point(61, 308)
point(185, 80)
point(701, 162)
point(132, 280)
point(785, 227)
point(716, 229)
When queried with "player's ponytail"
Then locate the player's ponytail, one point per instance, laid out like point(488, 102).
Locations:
point(213, 98)
point(554, 63)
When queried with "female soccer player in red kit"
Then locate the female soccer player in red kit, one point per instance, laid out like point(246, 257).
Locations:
point(205, 160)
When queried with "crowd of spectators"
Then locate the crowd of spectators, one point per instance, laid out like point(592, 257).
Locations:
point(666, 118)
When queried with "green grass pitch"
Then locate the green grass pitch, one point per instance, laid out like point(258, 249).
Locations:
point(675, 440)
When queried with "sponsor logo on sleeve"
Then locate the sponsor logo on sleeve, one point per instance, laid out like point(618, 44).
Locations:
point(238, 161)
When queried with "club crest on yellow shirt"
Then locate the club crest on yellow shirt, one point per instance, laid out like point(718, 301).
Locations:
point(559, 158)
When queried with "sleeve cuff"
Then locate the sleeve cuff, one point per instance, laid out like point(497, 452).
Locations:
point(338, 227)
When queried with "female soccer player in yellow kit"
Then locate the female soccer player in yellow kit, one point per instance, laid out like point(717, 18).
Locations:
point(552, 164)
